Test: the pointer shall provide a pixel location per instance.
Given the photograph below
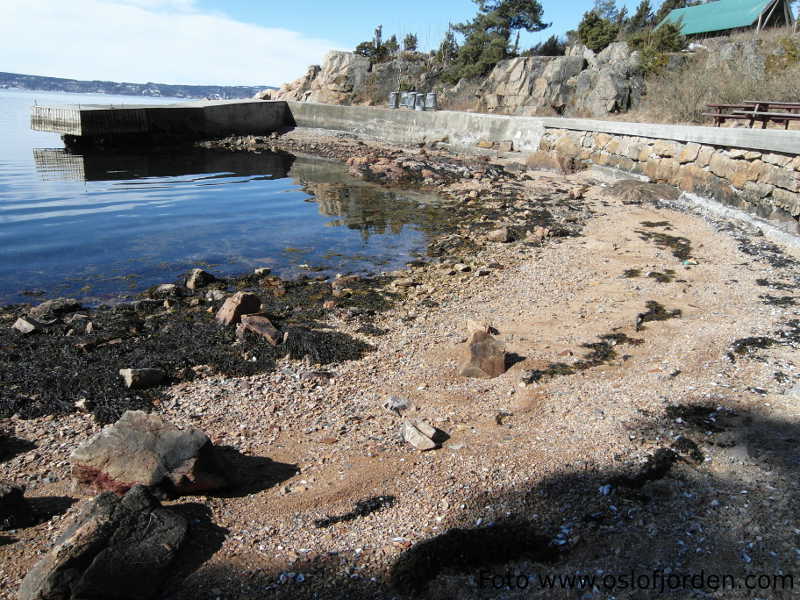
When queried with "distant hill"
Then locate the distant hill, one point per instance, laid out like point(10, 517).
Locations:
point(56, 84)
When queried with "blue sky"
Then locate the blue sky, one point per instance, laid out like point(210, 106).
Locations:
point(223, 42)
point(351, 21)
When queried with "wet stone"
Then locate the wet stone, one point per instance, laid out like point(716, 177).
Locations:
point(141, 378)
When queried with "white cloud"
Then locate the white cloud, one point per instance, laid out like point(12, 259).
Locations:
point(164, 41)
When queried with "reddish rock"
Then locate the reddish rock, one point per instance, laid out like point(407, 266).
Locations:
point(485, 357)
point(241, 303)
point(143, 449)
point(261, 326)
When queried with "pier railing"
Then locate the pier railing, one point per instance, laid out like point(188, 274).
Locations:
point(57, 119)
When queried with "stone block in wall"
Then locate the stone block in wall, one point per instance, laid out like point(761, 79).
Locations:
point(780, 160)
point(689, 153)
point(601, 140)
point(692, 178)
point(745, 171)
point(752, 155)
point(650, 168)
point(588, 140)
point(668, 170)
point(759, 190)
point(789, 201)
point(722, 166)
point(614, 146)
point(704, 156)
point(781, 177)
point(646, 153)
point(736, 153)
point(796, 163)
point(665, 148)
point(567, 146)
point(633, 149)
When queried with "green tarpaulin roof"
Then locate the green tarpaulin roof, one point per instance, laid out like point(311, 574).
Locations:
point(717, 16)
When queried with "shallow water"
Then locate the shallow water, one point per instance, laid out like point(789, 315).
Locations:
point(106, 226)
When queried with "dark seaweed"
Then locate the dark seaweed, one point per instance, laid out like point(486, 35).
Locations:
point(600, 353)
point(362, 509)
point(681, 247)
point(783, 301)
point(656, 312)
point(656, 467)
point(668, 276)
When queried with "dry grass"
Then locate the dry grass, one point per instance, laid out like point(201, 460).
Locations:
point(771, 72)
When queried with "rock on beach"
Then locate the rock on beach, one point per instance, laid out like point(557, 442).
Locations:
point(143, 449)
point(118, 548)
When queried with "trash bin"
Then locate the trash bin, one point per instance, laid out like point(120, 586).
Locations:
point(394, 100)
point(419, 103)
point(431, 102)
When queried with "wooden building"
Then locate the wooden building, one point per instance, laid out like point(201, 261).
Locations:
point(724, 17)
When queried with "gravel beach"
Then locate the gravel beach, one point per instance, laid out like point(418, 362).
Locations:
point(638, 428)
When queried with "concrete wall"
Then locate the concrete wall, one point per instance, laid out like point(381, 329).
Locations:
point(465, 130)
point(459, 129)
point(202, 119)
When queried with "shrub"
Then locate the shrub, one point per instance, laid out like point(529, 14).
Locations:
point(595, 32)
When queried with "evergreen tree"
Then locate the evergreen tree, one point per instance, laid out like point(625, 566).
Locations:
point(391, 45)
point(606, 9)
point(552, 46)
point(487, 37)
point(410, 43)
point(642, 18)
point(448, 49)
point(595, 32)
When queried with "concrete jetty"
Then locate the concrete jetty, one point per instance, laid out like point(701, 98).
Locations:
point(124, 124)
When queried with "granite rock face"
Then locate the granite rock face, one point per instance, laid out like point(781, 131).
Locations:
point(115, 548)
point(581, 84)
point(143, 449)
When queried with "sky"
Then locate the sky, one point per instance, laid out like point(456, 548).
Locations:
point(221, 42)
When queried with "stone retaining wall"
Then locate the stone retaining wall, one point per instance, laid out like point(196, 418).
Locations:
point(767, 183)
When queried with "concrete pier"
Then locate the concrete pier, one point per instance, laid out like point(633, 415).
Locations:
point(123, 124)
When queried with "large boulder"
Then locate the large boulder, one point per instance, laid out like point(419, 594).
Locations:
point(115, 549)
point(143, 449)
point(54, 308)
point(581, 83)
point(341, 74)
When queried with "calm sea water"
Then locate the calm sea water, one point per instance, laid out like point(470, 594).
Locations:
point(106, 226)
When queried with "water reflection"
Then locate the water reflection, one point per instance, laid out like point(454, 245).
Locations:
point(58, 164)
point(105, 226)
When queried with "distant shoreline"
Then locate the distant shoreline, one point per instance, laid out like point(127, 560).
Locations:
point(40, 83)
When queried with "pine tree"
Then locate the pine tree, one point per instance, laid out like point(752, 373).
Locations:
point(487, 37)
point(642, 18)
point(410, 43)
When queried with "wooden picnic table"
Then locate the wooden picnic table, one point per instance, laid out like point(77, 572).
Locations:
point(753, 111)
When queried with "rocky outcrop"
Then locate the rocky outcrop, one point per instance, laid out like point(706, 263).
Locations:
point(581, 83)
point(118, 548)
point(143, 449)
point(341, 75)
